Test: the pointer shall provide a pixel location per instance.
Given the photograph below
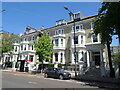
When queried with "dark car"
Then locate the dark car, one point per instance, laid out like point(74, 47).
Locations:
point(57, 73)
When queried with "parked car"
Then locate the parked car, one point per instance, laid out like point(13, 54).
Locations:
point(57, 73)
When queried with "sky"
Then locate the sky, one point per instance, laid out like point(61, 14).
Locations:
point(18, 15)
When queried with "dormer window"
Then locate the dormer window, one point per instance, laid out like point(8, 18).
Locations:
point(60, 31)
point(60, 22)
point(78, 27)
point(77, 15)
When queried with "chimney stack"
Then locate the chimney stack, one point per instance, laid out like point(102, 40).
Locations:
point(71, 17)
point(42, 27)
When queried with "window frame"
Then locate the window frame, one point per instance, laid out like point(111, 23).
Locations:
point(75, 39)
point(93, 38)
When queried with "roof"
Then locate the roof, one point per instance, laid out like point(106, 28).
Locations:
point(88, 17)
point(30, 28)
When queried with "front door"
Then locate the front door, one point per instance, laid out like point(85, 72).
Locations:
point(97, 60)
point(22, 62)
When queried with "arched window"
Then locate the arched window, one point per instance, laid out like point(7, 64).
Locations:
point(15, 49)
point(32, 47)
point(61, 57)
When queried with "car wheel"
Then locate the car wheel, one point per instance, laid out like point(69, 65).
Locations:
point(46, 75)
point(61, 77)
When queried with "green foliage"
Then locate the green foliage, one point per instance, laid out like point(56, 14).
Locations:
point(50, 65)
point(117, 57)
point(7, 40)
point(8, 64)
point(43, 47)
point(108, 21)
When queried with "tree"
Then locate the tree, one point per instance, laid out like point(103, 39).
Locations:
point(43, 48)
point(117, 57)
point(6, 45)
point(107, 24)
point(7, 39)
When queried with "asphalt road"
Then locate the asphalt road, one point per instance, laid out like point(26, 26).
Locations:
point(12, 80)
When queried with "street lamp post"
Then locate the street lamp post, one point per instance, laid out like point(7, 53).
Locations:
point(74, 41)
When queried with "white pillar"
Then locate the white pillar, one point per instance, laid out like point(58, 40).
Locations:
point(13, 66)
point(53, 58)
point(91, 59)
point(116, 70)
point(79, 56)
point(30, 67)
point(102, 67)
point(59, 57)
point(81, 63)
point(63, 42)
point(79, 39)
point(28, 57)
point(72, 58)
point(88, 59)
point(59, 42)
point(84, 57)
point(63, 61)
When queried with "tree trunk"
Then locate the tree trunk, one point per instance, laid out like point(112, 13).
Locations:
point(112, 72)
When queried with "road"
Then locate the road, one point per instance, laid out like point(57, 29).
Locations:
point(13, 80)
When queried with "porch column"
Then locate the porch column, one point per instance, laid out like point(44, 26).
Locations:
point(59, 57)
point(88, 59)
point(63, 61)
point(91, 59)
point(13, 66)
point(116, 64)
point(79, 56)
point(72, 58)
point(53, 57)
point(102, 66)
point(79, 39)
point(84, 57)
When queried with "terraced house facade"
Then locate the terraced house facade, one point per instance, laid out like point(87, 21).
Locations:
point(90, 51)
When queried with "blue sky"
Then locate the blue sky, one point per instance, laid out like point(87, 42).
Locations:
point(18, 15)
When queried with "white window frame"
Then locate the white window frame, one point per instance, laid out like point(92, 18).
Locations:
point(32, 47)
point(97, 38)
point(92, 25)
point(82, 27)
point(62, 31)
point(77, 29)
point(56, 32)
point(58, 42)
point(25, 39)
point(62, 41)
point(32, 38)
point(16, 49)
point(59, 31)
point(76, 14)
point(82, 39)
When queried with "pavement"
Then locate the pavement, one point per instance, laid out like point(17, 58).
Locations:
point(78, 78)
